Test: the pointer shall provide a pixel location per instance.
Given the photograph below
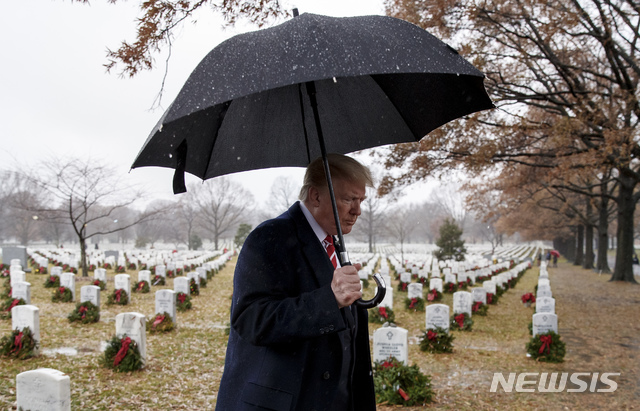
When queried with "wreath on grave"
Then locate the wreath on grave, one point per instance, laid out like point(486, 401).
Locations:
point(492, 299)
point(423, 280)
point(20, 344)
point(170, 273)
point(119, 297)
point(122, 355)
point(462, 285)
point(528, 299)
point(142, 287)
point(183, 302)
point(203, 282)
point(53, 281)
point(399, 384)
point(159, 280)
point(179, 271)
point(194, 289)
point(478, 308)
point(101, 284)
point(8, 304)
point(6, 289)
point(120, 269)
point(437, 341)
point(450, 287)
point(5, 273)
point(131, 266)
point(143, 266)
point(91, 267)
point(402, 286)
point(85, 313)
point(381, 315)
point(415, 304)
point(499, 290)
point(42, 269)
point(434, 295)
point(62, 295)
point(107, 266)
point(547, 347)
point(461, 322)
point(161, 323)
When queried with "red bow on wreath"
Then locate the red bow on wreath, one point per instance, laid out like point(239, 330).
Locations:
point(17, 342)
point(13, 304)
point(383, 312)
point(431, 336)
point(96, 282)
point(140, 285)
point(159, 319)
point(546, 344)
point(489, 298)
point(403, 394)
point(61, 289)
point(122, 352)
point(83, 311)
point(388, 364)
point(404, 286)
point(414, 301)
point(460, 320)
point(118, 294)
point(476, 306)
point(432, 295)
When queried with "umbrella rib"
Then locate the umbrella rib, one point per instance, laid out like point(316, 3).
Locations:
point(221, 115)
point(304, 125)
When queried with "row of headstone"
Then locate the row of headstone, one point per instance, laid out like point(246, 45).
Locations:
point(545, 318)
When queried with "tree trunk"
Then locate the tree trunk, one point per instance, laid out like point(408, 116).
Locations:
point(588, 237)
point(623, 270)
point(602, 264)
point(579, 245)
point(83, 256)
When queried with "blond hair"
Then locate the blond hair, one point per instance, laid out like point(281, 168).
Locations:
point(340, 167)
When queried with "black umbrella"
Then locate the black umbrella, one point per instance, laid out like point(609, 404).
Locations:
point(314, 84)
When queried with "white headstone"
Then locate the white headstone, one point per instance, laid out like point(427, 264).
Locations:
point(17, 276)
point(100, 274)
point(44, 389)
point(23, 316)
point(462, 278)
point(56, 270)
point(437, 315)
point(194, 276)
point(435, 283)
point(462, 302)
point(544, 322)
point(390, 342)
point(181, 285)
point(133, 325)
point(450, 278)
point(546, 305)
point(405, 277)
point(161, 270)
point(479, 294)
point(90, 293)
point(490, 286)
point(166, 303)
point(123, 282)
point(69, 280)
point(202, 272)
point(415, 290)
point(145, 275)
point(21, 289)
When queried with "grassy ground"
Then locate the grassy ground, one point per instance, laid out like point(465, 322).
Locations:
point(597, 321)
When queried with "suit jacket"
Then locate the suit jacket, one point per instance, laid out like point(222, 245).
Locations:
point(284, 352)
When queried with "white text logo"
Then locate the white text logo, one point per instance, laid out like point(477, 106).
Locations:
point(555, 382)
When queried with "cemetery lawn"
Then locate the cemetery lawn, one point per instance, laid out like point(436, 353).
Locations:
point(598, 321)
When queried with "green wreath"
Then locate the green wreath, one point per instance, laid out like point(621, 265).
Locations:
point(122, 355)
point(53, 281)
point(119, 297)
point(399, 384)
point(194, 289)
point(161, 323)
point(120, 269)
point(434, 295)
point(381, 315)
point(437, 341)
point(402, 287)
point(183, 302)
point(479, 309)
point(6, 289)
point(101, 284)
point(159, 280)
point(463, 285)
point(203, 282)
point(20, 344)
point(8, 304)
point(42, 269)
point(450, 288)
point(85, 313)
point(142, 287)
point(415, 304)
point(62, 295)
point(499, 290)
point(546, 347)
point(461, 322)
point(492, 299)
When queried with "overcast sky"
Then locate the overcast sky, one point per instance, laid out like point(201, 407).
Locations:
point(58, 100)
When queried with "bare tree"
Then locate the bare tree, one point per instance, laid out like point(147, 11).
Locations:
point(222, 203)
point(284, 191)
point(369, 225)
point(400, 224)
point(89, 196)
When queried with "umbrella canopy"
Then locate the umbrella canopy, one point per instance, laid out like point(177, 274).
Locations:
point(379, 80)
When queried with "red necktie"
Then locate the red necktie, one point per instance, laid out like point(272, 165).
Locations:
point(327, 243)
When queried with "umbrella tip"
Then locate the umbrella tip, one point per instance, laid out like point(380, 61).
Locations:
point(295, 12)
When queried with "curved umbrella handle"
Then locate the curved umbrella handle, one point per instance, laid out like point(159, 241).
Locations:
point(377, 299)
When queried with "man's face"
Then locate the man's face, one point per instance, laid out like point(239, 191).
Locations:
point(348, 195)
